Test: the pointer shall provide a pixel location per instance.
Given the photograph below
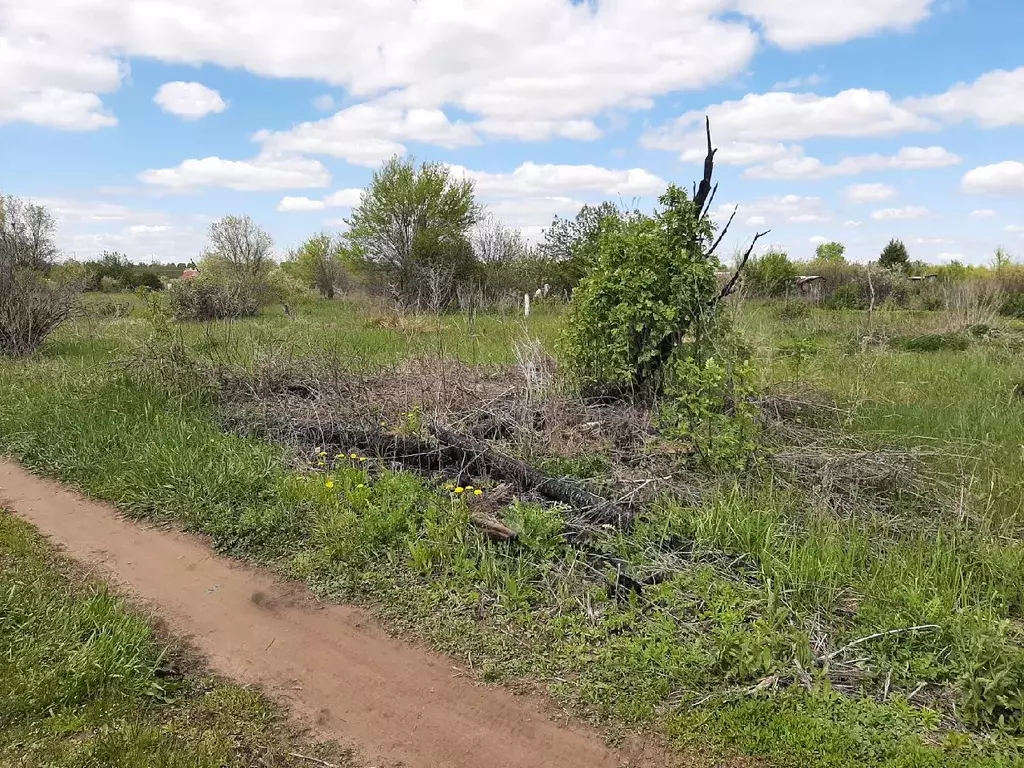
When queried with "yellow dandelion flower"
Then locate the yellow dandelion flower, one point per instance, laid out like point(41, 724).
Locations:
point(329, 484)
point(321, 463)
point(469, 487)
point(323, 453)
point(362, 458)
point(460, 489)
point(478, 492)
point(360, 486)
point(354, 456)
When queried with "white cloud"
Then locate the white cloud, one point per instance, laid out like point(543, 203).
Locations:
point(799, 82)
point(901, 214)
point(755, 221)
point(851, 224)
point(869, 193)
point(531, 179)
point(66, 110)
point(1014, 228)
point(932, 240)
point(263, 173)
point(982, 213)
point(540, 130)
point(794, 209)
point(795, 166)
point(343, 198)
point(368, 133)
point(1005, 178)
point(993, 100)
point(189, 101)
point(147, 229)
point(781, 116)
point(818, 240)
point(802, 23)
point(324, 102)
point(55, 85)
point(289, 204)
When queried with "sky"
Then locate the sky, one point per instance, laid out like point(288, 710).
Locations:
point(140, 122)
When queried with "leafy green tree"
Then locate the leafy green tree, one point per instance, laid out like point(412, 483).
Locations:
point(571, 245)
point(319, 264)
point(770, 275)
point(830, 253)
point(1001, 260)
point(894, 256)
point(411, 231)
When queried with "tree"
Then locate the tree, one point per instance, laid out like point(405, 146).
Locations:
point(319, 264)
point(411, 231)
point(894, 256)
point(239, 248)
point(31, 306)
point(770, 275)
point(572, 244)
point(1001, 260)
point(26, 234)
point(651, 285)
point(830, 253)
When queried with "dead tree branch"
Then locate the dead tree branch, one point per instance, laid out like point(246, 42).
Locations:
point(729, 287)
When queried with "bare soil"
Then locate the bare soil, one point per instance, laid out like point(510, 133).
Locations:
point(336, 670)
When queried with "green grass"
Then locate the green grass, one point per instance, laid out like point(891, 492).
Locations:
point(708, 658)
point(79, 682)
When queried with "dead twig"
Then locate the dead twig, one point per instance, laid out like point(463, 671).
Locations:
point(316, 760)
point(877, 635)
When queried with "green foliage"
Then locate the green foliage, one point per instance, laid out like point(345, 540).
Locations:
point(571, 246)
point(770, 275)
point(650, 284)
point(847, 296)
point(894, 256)
point(320, 264)
point(830, 253)
point(932, 342)
point(114, 272)
point(410, 233)
point(710, 407)
point(211, 299)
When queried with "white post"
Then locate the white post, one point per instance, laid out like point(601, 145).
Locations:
point(526, 305)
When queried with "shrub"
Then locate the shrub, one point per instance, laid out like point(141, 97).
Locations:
point(200, 299)
point(794, 310)
point(770, 275)
point(1012, 305)
point(31, 306)
point(894, 256)
point(845, 297)
point(645, 291)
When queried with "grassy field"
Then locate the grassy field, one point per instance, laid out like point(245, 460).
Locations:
point(84, 681)
point(882, 630)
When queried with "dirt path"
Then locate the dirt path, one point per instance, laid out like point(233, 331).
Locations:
point(398, 704)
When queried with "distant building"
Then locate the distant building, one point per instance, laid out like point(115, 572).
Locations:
point(811, 287)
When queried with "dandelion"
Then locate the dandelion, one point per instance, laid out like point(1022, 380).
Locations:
point(361, 485)
point(478, 492)
point(469, 487)
point(322, 453)
point(329, 484)
point(354, 456)
point(362, 458)
point(339, 456)
point(460, 489)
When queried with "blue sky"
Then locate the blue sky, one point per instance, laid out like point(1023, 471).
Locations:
point(138, 122)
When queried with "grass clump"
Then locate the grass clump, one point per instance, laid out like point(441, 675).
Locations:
point(932, 342)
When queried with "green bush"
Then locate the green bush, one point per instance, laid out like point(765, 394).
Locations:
point(845, 297)
point(198, 299)
point(1012, 305)
point(794, 310)
point(770, 275)
point(650, 284)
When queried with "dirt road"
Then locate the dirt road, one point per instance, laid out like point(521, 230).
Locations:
point(398, 704)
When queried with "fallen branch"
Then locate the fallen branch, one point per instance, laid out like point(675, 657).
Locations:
point(595, 507)
point(877, 635)
point(729, 287)
point(316, 760)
